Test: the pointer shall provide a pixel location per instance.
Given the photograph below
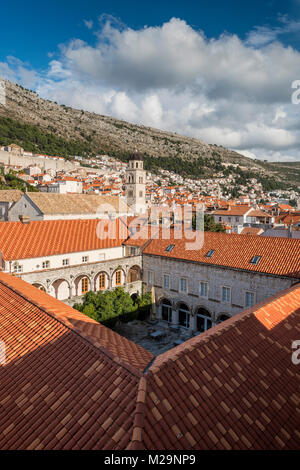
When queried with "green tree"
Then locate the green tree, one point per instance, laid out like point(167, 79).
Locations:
point(111, 306)
point(209, 224)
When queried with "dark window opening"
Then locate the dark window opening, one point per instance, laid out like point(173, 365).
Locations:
point(255, 259)
point(169, 248)
point(209, 253)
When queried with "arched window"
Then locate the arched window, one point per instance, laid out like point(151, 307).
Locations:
point(102, 281)
point(166, 310)
point(203, 320)
point(118, 278)
point(134, 274)
point(184, 315)
point(84, 285)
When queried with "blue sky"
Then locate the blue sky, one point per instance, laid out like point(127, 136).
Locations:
point(43, 25)
point(220, 71)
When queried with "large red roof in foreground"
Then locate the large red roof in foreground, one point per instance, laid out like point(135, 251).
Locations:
point(234, 387)
point(67, 387)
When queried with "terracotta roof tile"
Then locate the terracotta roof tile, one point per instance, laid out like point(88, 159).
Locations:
point(251, 412)
point(52, 237)
point(279, 256)
point(10, 195)
point(233, 387)
point(51, 203)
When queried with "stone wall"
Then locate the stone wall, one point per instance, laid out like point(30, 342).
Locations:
point(9, 158)
point(64, 283)
point(238, 281)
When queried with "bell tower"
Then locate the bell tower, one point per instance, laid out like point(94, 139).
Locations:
point(136, 184)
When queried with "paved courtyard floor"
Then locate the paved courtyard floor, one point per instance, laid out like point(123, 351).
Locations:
point(156, 336)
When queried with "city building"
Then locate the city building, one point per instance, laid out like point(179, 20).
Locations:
point(8, 197)
point(68, 258)
point(51, 206)
point(240, 216)
point(136, 184)
point(197, 287)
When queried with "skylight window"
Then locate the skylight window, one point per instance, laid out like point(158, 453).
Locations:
point(169, 248)
point(255, 259)
point(209, 253)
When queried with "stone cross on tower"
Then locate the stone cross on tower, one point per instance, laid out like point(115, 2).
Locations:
point(136, 184)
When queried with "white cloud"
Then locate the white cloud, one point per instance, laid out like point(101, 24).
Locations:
point(262, 35)
point(17, 71)
point(224, 90)
point(88, 23)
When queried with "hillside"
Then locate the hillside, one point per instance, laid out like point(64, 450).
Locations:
point(290, 170)
point(53, 128)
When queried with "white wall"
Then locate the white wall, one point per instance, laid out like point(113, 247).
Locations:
point(239, 282)
point(56, 261)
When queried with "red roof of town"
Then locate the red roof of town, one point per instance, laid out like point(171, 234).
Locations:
point(233, 387)
point(251, 231)
point(279, 256)
point(233, 210)
point(53, 237)
point(62, 388)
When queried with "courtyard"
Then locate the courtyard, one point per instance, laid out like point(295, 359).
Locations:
point(154, 335)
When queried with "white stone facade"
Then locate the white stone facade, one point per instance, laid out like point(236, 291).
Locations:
point(67, 283)
point(239, 287)
point(30, 265)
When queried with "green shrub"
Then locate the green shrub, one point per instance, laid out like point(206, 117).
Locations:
point(115, 305)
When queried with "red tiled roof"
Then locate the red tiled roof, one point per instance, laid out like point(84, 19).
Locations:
point(118, 347)
point(290, 219)
point(61, 387)
point(233, 210)
point(285, 207)
point(251, 231)
point(52, 237)
point(279, 256)
point(259, 213)
point(233, 387)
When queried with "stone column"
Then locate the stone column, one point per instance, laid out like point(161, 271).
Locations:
point(126, 274)
point(110, 278)
point(193, 323)
point(159, 312)
point(175, 317)
point(71, 289)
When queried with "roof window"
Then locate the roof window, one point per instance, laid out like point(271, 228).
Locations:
point(169, 248)
point(255, 259)
point(209, 253)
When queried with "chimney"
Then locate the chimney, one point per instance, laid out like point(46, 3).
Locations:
point(25, 219)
